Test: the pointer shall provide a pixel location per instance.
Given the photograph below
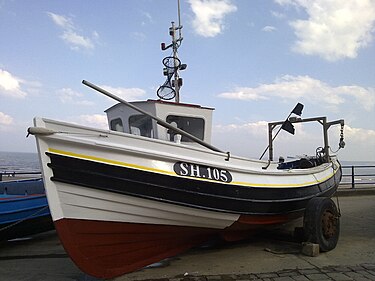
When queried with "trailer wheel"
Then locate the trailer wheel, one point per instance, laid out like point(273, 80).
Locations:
point(321, 223)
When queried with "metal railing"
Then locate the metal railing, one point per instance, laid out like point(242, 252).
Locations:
point(17, 174)
point(358, 175)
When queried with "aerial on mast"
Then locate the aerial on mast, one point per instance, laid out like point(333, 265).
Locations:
point(172, 64)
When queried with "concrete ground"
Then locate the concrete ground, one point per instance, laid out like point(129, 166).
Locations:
point(270, 257)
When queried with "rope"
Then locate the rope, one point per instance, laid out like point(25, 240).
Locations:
point(334, 152)
point(338, 205)
point(337, 196)
point(22, 220)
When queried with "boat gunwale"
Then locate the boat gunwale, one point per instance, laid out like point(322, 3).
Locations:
point(74, 136)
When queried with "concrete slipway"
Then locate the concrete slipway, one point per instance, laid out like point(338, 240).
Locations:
point(43, 258)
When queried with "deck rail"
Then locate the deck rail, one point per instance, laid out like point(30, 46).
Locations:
point(358, 175)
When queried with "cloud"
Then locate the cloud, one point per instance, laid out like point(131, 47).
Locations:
point(62, 21)
point(77, 41)
point(70, 34)
point(139, 36)
point(359, 135)
point(6, 123)
point(256, 129)
point(209, 15)
point(277, 15)
point(125, 93)
point(10, 85)
point(96, 121)
point(250, 139)
point(334, 29)
point(246, 139)
point(355, 138)
point(5, 119)
point(69, 96)
point(148, 17)
point(290, 87)
point(269, 28)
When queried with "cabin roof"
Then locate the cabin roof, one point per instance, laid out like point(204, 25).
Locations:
point(150, 101)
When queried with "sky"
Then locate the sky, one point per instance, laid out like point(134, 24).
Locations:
point(253, 61)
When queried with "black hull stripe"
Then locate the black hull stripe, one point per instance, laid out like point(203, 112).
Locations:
point(185, 191)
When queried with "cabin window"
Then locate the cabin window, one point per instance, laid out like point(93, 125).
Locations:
point(116, 125)
point(192, 125)
point(141, 125)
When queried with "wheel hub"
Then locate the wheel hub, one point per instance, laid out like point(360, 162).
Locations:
point(329, 224)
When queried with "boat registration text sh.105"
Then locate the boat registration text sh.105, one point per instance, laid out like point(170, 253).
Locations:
point(201, 171)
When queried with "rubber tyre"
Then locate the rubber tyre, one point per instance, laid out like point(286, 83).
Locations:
point(321, 223)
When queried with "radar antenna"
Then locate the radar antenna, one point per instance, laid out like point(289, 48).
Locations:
point(172, 64)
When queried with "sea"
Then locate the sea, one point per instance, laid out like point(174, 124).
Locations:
point(363, 174)
point(19, 162)
point(25, 162)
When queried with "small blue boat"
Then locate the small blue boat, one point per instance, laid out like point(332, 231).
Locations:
point(23, 209)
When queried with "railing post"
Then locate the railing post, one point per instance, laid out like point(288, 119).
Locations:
point(353, 182)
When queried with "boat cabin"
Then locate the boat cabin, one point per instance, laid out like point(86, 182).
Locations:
point(193, 119)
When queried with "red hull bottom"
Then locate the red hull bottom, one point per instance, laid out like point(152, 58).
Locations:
point(109, 249)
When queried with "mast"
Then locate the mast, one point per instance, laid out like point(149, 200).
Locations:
point(175, 82)
point(172, 64)
point(175, 47)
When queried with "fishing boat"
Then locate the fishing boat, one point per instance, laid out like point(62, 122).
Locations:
point(153, 185)
point(23, 208)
